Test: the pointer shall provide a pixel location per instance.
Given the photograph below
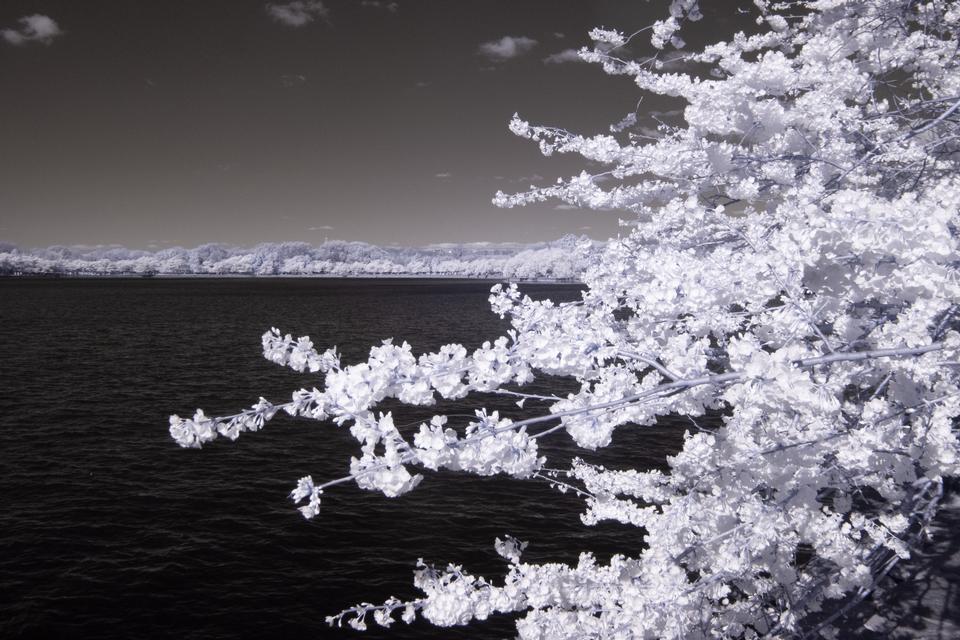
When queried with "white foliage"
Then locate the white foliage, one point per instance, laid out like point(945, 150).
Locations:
point(790, 280)
point(565, 258)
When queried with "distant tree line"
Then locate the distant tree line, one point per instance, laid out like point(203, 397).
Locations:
point(563, 259)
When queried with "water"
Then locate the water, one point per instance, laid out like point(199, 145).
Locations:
point(108, 529)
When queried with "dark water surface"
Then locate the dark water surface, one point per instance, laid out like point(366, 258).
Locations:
point(109, 530)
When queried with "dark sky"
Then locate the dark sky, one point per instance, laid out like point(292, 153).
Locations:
point(178, 122)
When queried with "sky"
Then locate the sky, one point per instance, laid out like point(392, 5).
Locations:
point(154, 123)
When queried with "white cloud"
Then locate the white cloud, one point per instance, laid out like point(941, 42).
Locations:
point(506, 48)
point(443, 175)
point(323, 227)
point(392, 7)
point(297, 13)
point(35, 28)
point(565, 207)
point(561, 57)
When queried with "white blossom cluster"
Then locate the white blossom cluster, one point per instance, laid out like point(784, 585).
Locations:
point(790, 284)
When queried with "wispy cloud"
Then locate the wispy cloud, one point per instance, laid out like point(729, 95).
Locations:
point(650, 132)
point(529, 179)
point(392, 7)
point(506, 48)
point(443, 175)
point(298, 13)
point(288, 80)
point(672, 113)
point(565, 207)
point(323, 227)
point(563, 57)
point(35, 28)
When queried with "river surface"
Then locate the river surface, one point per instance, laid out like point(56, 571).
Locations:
point(110, 530)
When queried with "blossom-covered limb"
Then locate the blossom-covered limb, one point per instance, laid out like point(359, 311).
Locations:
point(789, 282)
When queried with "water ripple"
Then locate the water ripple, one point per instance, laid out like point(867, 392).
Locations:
point(110, 531)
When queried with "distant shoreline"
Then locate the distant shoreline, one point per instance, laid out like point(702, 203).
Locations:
point(298, 276)
point(562, 260)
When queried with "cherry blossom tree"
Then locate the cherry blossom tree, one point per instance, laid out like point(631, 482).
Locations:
point(790, 272)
